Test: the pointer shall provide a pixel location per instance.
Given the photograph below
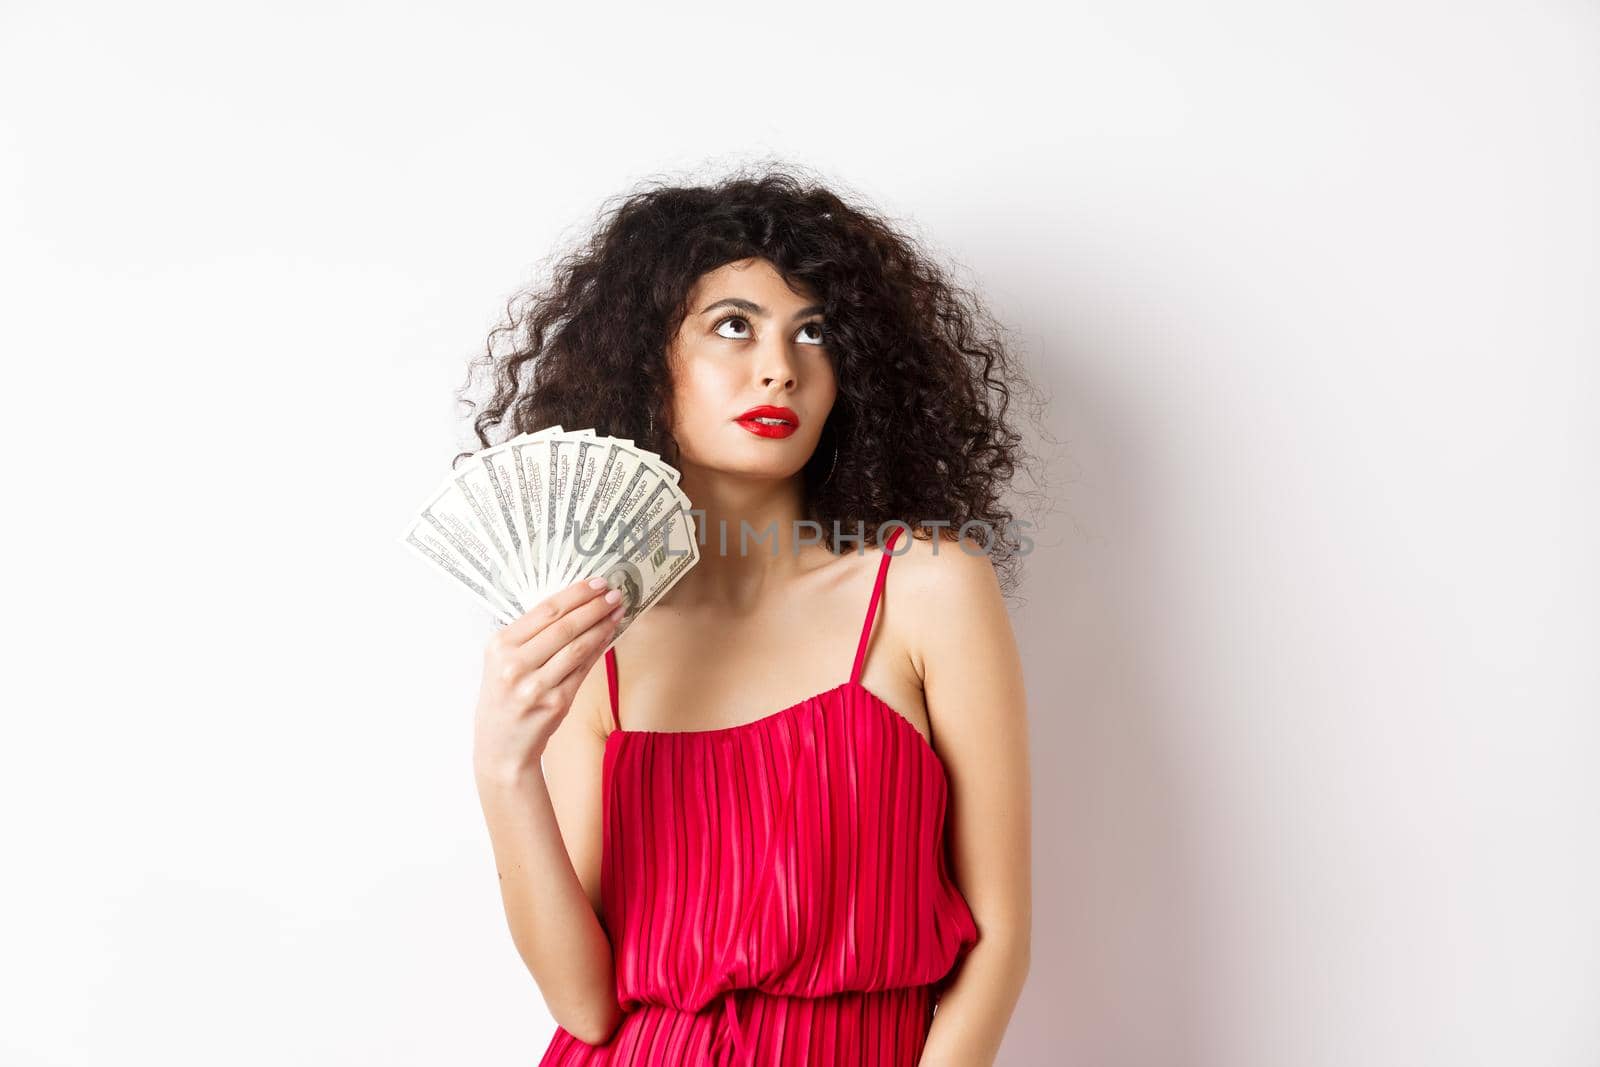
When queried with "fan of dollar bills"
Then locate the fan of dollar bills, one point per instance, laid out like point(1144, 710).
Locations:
point(524, 519)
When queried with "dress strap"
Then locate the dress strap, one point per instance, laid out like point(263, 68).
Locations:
point(872, 607)
point(611, 684)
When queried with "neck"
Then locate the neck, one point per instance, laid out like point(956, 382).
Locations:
point(752, 536)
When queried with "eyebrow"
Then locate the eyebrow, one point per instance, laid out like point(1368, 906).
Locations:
point(756, 309)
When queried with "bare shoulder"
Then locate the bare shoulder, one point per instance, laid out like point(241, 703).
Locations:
point(959, 636)
point(947, 580)
point(960, 568)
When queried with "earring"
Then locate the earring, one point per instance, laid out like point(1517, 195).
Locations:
point(831, 468)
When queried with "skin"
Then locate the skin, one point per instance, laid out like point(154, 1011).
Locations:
point(942, 654)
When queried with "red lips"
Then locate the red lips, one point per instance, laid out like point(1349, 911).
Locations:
point(790, 422)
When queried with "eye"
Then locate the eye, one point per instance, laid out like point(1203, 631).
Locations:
point(731, 318)
point(814, 327)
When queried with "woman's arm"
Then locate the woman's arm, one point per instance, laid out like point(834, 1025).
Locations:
point(977, 707)
point(545, 829)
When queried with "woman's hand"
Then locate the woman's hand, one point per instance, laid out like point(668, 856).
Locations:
point(531, 671)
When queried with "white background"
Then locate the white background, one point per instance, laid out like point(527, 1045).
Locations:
point(1309, 637)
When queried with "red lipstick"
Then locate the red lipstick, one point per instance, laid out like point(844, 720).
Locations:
point(782, 421)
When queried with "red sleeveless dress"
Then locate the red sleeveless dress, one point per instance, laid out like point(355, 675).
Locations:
point(777, 893)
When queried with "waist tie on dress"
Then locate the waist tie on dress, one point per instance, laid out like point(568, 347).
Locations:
point(744, 1055)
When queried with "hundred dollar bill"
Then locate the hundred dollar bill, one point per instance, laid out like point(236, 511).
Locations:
point(527, 517)
point(565, 455)
point(539, 461)
point(519, 487)
point(450, 514)
point(600, 466)
point(424, 539)
point(587, 453)
point(472, 482)
point(499, 474)
point(617, 497)
point(649, 564)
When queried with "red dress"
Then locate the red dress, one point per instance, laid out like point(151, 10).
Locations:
point(778, 892)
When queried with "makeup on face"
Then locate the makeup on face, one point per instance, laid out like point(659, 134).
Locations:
point(767, 420)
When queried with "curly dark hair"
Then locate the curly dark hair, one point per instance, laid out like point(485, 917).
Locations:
point(925, 378)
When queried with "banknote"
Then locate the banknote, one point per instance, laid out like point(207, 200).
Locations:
point(447, 534)
point(520, 520)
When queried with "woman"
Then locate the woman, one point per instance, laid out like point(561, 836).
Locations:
point(691, 876)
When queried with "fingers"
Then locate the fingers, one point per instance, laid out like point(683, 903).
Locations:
point(573, 663)
point(548, 610)
point(592, 612)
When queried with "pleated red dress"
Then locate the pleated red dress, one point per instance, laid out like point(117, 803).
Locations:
point(777, 893)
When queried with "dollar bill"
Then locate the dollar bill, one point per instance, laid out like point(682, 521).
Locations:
point(526, 518)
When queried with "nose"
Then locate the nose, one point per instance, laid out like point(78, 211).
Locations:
point(775, 365)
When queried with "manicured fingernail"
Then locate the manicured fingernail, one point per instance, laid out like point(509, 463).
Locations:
point(597, 582)
point(613, 596)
